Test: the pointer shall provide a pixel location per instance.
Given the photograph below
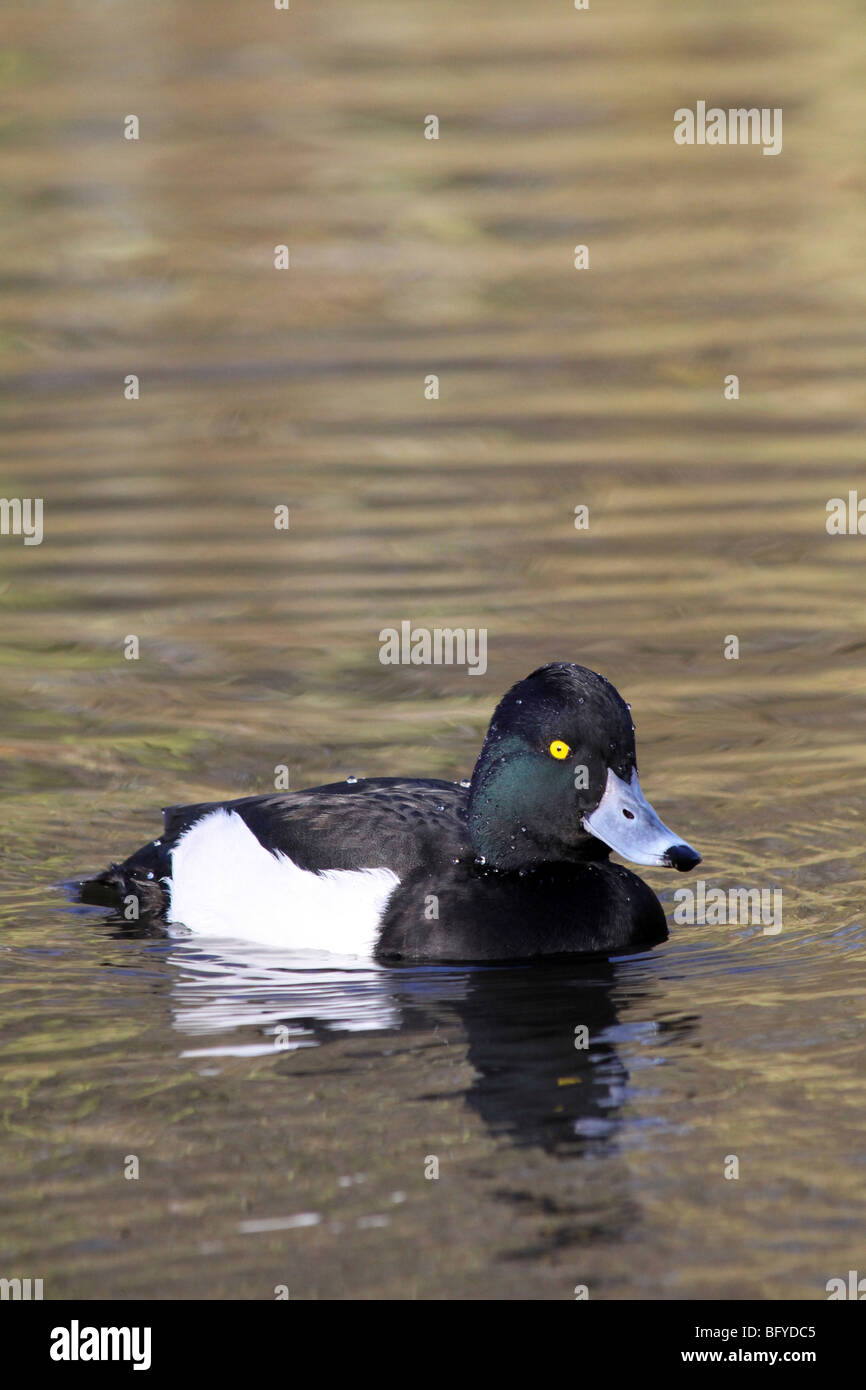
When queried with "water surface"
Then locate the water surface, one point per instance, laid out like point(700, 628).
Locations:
point(284, 1109)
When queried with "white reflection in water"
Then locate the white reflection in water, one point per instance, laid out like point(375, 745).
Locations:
point(222, 987)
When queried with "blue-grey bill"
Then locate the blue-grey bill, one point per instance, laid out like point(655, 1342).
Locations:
point(625, 821)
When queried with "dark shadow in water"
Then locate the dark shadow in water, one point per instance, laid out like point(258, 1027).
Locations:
point(544, 1041)
point(544, 1038)
point(517, 1026)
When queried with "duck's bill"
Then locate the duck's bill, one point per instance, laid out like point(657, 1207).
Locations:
point(625, 821)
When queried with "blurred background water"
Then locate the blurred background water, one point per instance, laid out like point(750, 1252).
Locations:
point(283, 1109)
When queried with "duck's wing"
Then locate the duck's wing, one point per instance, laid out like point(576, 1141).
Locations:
point(397, 823)
point(392, 822)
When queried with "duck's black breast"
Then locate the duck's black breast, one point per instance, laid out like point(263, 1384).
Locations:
point(463, 912)
point(399, 823)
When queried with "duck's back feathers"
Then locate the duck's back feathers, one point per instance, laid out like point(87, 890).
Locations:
point(392, 822)
point(396, 823)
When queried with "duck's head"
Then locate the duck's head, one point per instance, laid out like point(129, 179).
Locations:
point(557, 779)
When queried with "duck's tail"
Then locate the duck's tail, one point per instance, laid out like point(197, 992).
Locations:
point(135, 887)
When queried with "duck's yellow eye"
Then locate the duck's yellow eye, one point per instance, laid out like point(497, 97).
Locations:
point(558, 749)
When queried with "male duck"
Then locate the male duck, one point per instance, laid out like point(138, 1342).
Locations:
point(512, 864)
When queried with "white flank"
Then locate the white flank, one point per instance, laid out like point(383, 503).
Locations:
point(225, 883)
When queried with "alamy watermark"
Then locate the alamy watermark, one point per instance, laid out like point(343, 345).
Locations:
point(439, 646)
point(22, 516)
point(740, 907)
point(854, 1287)
point(21, 1289)
point(846, 516)
point(739, 125)
point(77, 1343)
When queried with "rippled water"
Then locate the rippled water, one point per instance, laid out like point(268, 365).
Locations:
point(284, 1110)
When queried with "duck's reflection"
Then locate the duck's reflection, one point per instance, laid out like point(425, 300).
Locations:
point(545, 1040)
point(291, 999)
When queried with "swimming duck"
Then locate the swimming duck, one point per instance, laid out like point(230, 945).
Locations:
point(512, 864)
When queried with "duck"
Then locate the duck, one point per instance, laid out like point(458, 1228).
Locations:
point(511, 864)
